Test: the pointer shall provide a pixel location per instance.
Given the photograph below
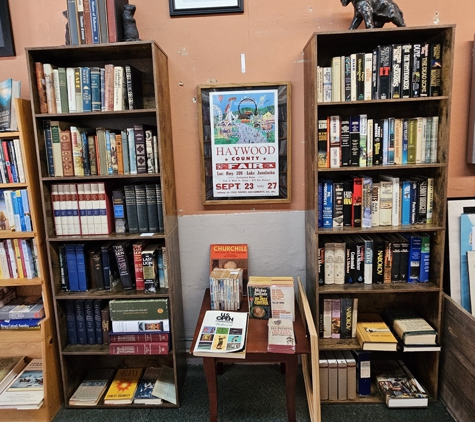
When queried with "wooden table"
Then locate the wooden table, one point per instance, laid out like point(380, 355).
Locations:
point(256, 351)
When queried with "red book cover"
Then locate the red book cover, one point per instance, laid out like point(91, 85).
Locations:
point(139, 348)
point(87, 21)
point(357, 201)
point(139, 337)
point(233, 255)
point(138, 266)
point(6, 157)
point(41, 87)
point(66, 153)
point(115, 8)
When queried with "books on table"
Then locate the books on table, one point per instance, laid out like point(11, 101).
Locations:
point(223, 334)
point(26, 390)
point(374, 334)
point(281, 337)
point(92, 388)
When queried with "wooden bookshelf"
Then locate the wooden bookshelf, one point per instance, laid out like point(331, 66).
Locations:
point(152, 63)
point(42, 343)
point(425, 297)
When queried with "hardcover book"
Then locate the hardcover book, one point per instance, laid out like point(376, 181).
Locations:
point(222, 334)
point(374, 334)
point(410, 326)
point(123, 386)
point(140, 309)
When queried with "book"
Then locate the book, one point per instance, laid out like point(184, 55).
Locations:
point(123, 386)
point(282, 293)
point(139, 348)
point(141, 326)
point(435, 69)
point(10, 368)
point(229, 255)
point(144, 392)
point(410, 326)
point(115, 9)
point(124, 264)
point(259, 297)
point(164, 387)
point(150, 267)
point(92, 387)
point(281, 337)
point(223, 334)
point(139, 337)
point(31, 307)
point(374, 334)
point(9, 89)
point(398, 386)
point(138, 309)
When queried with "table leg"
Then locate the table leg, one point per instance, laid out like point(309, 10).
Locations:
point(291, 365)
point(209, 365)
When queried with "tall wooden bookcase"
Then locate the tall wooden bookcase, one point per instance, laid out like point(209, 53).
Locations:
point(152, 63)
point(32, 343)
point(425, 297)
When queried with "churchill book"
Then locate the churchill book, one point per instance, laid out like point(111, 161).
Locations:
point(222, 334)
point(374, 334)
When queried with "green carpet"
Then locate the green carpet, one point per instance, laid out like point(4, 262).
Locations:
point(252, 393)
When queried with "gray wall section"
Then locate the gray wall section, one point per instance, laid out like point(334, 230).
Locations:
point(276, 244)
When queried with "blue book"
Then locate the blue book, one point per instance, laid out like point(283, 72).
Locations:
point(86, 89)
point(363, 372)
point(16, 197)
point(80, 321)
point(71, 322)
point(26, 210)
point(327, 210)
point(103, 88)
point(405, 126)
point(96, 37)
point(110, 169)
point(425, 258)
point(467, 223)
point(406, 203)
point(85, 153)
point(73, 22)
point(89, 319)
point(10, 324)
point(125, 151)
point(16, 212)
point(320, 204)
point(391, 124)
point(414, 262)
point(80, 266)
point(97, 304)
point(96, 89)
point(72, 267)
point(132, 153)
point(49, 147)
point(385, 142)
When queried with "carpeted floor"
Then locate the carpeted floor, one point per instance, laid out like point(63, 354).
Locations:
point(252, 393)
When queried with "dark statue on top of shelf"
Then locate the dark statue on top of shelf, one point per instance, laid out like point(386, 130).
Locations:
point(375, 13)
point(130, 27)
point(67, 40)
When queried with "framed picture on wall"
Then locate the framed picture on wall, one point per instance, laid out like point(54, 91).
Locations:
point(7, 48)
point(245, 143)
point(200, 7)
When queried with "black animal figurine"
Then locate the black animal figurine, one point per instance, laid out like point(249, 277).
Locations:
point(67, 39)
point(129, 25)
point(375, 13)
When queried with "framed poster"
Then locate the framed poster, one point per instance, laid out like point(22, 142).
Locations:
point(201, 7)
point(245, 143)
point(7, 48)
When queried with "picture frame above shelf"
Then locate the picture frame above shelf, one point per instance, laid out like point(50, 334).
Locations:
point(7, 47)
point(245, 135)
point(202, 7)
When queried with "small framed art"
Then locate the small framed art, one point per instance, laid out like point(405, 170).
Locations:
point(201, 7)
point(7, 48)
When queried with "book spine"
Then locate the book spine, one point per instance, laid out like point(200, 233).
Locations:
point(95, 89)
point(416, 70)
point(97, 306)
point(90, 323)
point(72, 268)
point(123, 266)
point(97, 269)
point(345, 142)
point(152, 208)
point(71, 322)
point(131, 208)
point(140, 150)
point(323, 154)
point(435, 70)
point(80, 321)
point(406, 71)
point(424, 92)
point(156, 348)
point(41, 87)
point(415, 244)
point(356, 214)
point(106, 324)
point(139, 337)
point(118, 203)
point(327, 204)
point(425, 259)
point(141, 202)
point(138, 267)
point(150, 273)
point(161, 221)
point(384, 77)
point(396, 71)
point(346, 317)
point(338, 199)
point(81, 267)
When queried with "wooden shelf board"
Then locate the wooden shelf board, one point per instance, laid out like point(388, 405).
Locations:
point(378, 288)
point(37, 281)
point(108, 294)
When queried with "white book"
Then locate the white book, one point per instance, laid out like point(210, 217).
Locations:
point(395, 217)
point(82, 208)
point(140, 326)
point(434, 139)
point(4, 262)
point(375, 204)
point(96, 207)
point(327, 317)
point(385, 203)
point(103, 209)
point(339, 262)
point(10, 214)
point(335, 147)
point(369, 143)
point(118, 88)
point(419, 136)
point(89, 208)
point(19, 160)
point(342, 78)
point(368, 76)
point(57, 93)
point(57, 217)
point(74, 200)
point(28, 258)
point(49, 84)
point(368, 259)
point(319, 84)
point(336, 79)
point(70, 84)
point(64, 202)
point(329, 263)
point(327, 84)
point(363, 140)
point(353, 76)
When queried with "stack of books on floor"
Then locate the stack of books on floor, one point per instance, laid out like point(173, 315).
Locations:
point(139, 327)
point(22, 313)
point(125, 386)
point(21, 383)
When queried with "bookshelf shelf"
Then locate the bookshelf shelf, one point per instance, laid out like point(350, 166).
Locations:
point(425, 297)
point(39, 343)
point(152, 64)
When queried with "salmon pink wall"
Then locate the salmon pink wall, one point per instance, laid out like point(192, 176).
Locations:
point(271, 34)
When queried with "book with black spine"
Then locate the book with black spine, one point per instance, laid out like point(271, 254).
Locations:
point(122, 252)
point(141, 204)
point(435, 70)
point(406, 71)
point(384, 75)
point(425, 75)
point(396, 71)
point(416, 71)
point(131, 209)
point(90, 323)
point(152, 208)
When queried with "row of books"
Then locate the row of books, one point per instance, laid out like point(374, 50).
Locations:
point(337, 371)
point(95, 21)
point(361, 201)
point(389, 71)
point(15, 210)
point(87, 89)
point(226, 288)
point(359, 141)
point(9, 89)
point(11, 162)
point(374, 259)
point(126, 265)
point(21, 383)
point(21, 312)
point(125, 386)
point(76, 151)
point(127, 326)
point(338, 316)
point(18, 258)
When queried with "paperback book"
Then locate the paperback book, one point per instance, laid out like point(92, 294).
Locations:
point(144, 392)
point(92, 388)
point(123, 386)
point(281, 337)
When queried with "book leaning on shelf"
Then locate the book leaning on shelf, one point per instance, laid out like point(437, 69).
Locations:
point(92, 387)
point(10, 367)
point(9, 89)
point(222, 334)
point(123, 386)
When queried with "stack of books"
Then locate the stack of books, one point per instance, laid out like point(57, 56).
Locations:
point(139, 327)
point(11, 162)
point(226, 287)
point(22, 312)
point(338, 376)
point(339, 315)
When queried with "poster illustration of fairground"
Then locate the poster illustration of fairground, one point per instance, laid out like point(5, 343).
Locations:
point(244, 142)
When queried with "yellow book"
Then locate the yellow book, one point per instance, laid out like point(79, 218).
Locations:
point(19, 264)
point(374, 334)
point(122, 388)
